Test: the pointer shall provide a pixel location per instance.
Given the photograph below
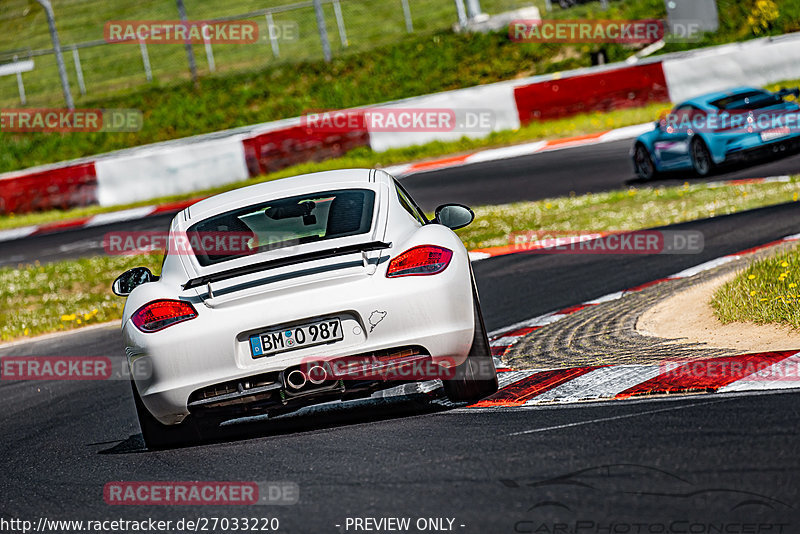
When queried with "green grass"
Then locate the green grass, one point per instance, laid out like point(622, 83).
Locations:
point(69, 294)
point(768, 291)
point(366, 157)
point(63, 295)
point(631, 209)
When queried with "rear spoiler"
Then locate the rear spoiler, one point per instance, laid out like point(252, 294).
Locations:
point(283, 262)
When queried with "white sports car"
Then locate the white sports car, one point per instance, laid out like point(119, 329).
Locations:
point(342, 288)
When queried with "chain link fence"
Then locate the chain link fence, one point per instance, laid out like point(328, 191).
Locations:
point(287, 33)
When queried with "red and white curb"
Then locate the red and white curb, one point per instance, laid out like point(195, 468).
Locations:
point(519, 388)
point(747, 372)
point(515, 151)
point(95, 220)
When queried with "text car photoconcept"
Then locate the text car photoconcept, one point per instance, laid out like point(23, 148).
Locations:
point(724, 127)
point(343, 288)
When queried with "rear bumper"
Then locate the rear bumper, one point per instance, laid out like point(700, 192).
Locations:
point(776, 148)
point(431, 312)
point(342, 378)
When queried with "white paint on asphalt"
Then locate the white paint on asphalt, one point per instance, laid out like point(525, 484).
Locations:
point(697, 269)
point(120, 216)
point(607, 298)
point(17, 233)
point(615, 418)
point(506, 152)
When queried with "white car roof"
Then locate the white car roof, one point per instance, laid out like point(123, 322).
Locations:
point(252, 194)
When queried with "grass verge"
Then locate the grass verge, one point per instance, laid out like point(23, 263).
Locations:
point(36, 299)
point(765, 292)
point(632, 209)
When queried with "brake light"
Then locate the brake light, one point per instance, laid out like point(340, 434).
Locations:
point(421, 260)
point(160, 314)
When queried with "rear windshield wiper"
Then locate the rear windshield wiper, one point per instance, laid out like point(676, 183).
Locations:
point(283, 262)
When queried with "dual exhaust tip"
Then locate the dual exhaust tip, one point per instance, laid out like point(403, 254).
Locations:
point(297, 379)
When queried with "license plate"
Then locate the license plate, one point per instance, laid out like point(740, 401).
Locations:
point(770, 135)
point(298, 337)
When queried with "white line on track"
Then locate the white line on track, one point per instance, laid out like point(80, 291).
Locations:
point(614, 418)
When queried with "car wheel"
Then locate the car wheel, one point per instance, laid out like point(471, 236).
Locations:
point(476, 378)
point(643, 163)
point(159, 436)
point(701, 158)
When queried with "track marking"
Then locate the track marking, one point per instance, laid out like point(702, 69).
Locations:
point(615, 418)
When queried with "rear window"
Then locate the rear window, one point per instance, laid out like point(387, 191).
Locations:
point(747, 101)
point(282, 223)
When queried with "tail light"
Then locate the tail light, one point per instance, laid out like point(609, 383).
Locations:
point(421, 260)
point(160, 314)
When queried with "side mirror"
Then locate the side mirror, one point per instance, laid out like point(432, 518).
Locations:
point(454, 216)
point(131, 279)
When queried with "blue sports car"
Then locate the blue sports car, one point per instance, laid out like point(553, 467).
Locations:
point(707, 131)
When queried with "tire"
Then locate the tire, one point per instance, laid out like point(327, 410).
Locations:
point(468, 384)
point(643, 163)
point(160, 436)
point(702, 161)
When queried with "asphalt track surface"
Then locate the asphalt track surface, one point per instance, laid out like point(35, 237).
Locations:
point(586, 169)
point(686, 464)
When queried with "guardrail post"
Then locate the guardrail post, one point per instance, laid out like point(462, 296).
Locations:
point(323, 31)
point(62, 70)
point(188, 44)
point(473, 8)
point(212, 66)
point(146, 61)
point(337, 10)
point(407, 15)
point(76, 58)
point(462, 13)
point(21, 86)
point(273, 39)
